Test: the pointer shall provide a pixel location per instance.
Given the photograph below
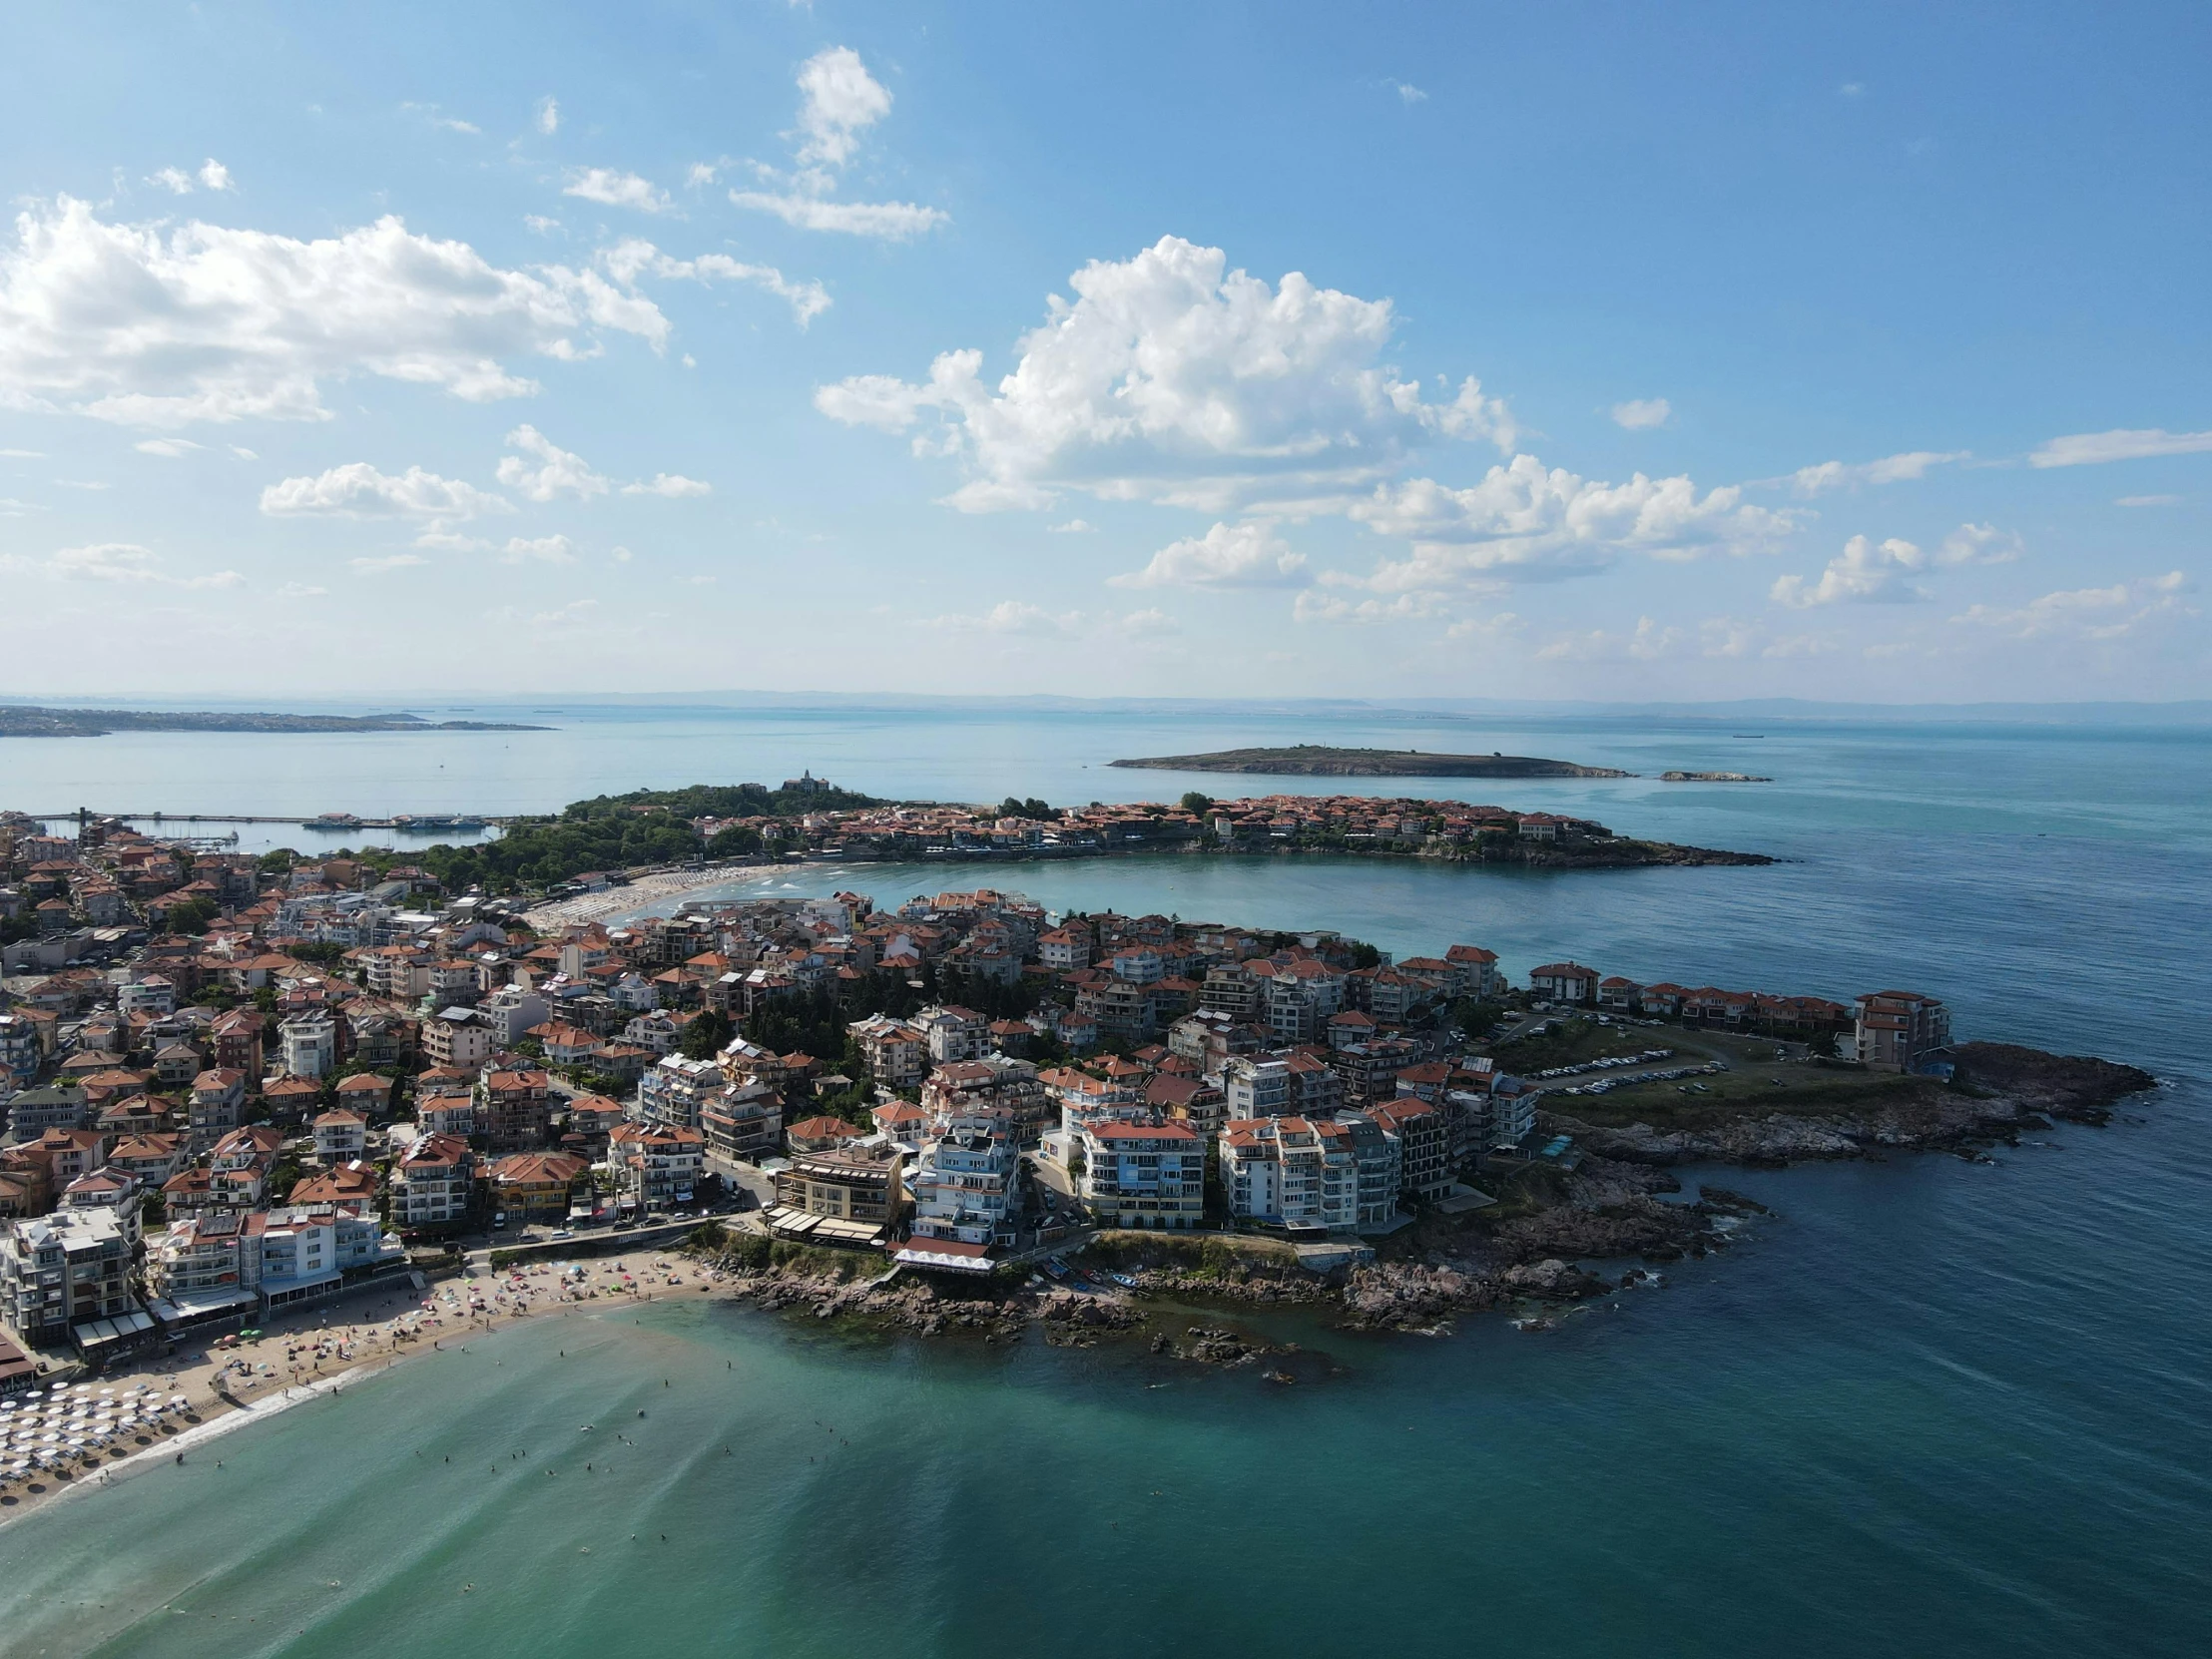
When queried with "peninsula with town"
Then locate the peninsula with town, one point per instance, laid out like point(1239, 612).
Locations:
point(267, 1118)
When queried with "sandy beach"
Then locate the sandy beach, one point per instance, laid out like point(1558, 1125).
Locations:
point(298, 1357)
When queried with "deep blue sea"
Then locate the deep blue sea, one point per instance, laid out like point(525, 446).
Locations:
point(1930, 1407)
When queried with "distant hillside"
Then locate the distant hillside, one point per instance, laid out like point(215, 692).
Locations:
point(26, 721)
point(1315, 761)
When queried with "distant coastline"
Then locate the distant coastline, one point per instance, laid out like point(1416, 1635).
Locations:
point(31, 721)
point(1307, 760)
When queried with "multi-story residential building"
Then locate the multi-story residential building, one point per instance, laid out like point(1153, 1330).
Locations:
point(459, 1037)
point(1291, 1172)
point(435, 1183)
point(1317, 1088)
point(1370, 1069)
point(996, 1081)
point(149, 1159)
point(656, 1164)
point(537, 1186)
point(744, 1121)
point(149, 995)
point(967, 1182)
point(447, 1109)
point(340, 1135)
point(953, 1033)
point(512, 1010)
point(1479, 972)
point(1254, 1088)
point(1377, 1170)
point(853, 1195)
point(1425, 1146)
point(1896, 1030)
point(1065, 948)
point(56, 1106)
point(308, 1045)
point(675, 1090)
point(1144, 1175)
point(62, 1273)
point(237, 1036)
point(195, 1267)
point(1568, 983)
point(217, 1100)
point(898, 1055)
point(1229, 989)
point(21, 1051)
point(514, 1109)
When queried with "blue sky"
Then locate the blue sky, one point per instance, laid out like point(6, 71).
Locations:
point(1608, 350)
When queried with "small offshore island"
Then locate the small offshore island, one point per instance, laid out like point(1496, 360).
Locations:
point(1307, 760)
point(254, 1106)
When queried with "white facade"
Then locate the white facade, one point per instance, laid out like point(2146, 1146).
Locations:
point(309, 1045)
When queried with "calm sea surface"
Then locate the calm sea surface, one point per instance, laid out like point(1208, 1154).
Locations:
point(1930, 1408)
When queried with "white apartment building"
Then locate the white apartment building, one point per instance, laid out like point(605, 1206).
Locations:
point(308, 1045)
point(967, 1182)
point(1291, 1172)
point(1255, 1088)
point(511, 1010)
point(1145, 1175)
point(673, 1090)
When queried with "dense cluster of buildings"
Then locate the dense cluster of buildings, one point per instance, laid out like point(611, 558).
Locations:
point(208, 1123)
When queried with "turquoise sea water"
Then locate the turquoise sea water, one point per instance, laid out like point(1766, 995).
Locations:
point(1930, 1407)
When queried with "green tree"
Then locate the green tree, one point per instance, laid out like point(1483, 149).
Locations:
point(190, 916)
point(705, 1036)
point(1196, 804)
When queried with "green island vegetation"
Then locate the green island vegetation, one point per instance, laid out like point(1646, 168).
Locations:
point(614, 832)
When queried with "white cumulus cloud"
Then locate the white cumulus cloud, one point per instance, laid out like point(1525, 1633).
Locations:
point(1172, 378)
point(551, 550)
point(559, 471)
point(890, 221)
point(627, 260)
point(670, 484)
point(2094, 448)
point(2089, 613)
point(1525, 522)
point(1865, 573)
point(171, 448)
point(1019, 617)
point(549, 114)
point(128, 563)
point(611, 187)
point(358, 490)
point(1881, 573)
point(211, 174)
point(1407, 607)
point(152, 327)
point(1227, 556)
point(1826, 476)
point(1641, 414)
point(838, 102)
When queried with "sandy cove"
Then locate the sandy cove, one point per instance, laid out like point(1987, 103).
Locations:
point(312, 1351)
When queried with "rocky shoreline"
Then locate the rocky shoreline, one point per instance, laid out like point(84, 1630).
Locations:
point(1610, 1208)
